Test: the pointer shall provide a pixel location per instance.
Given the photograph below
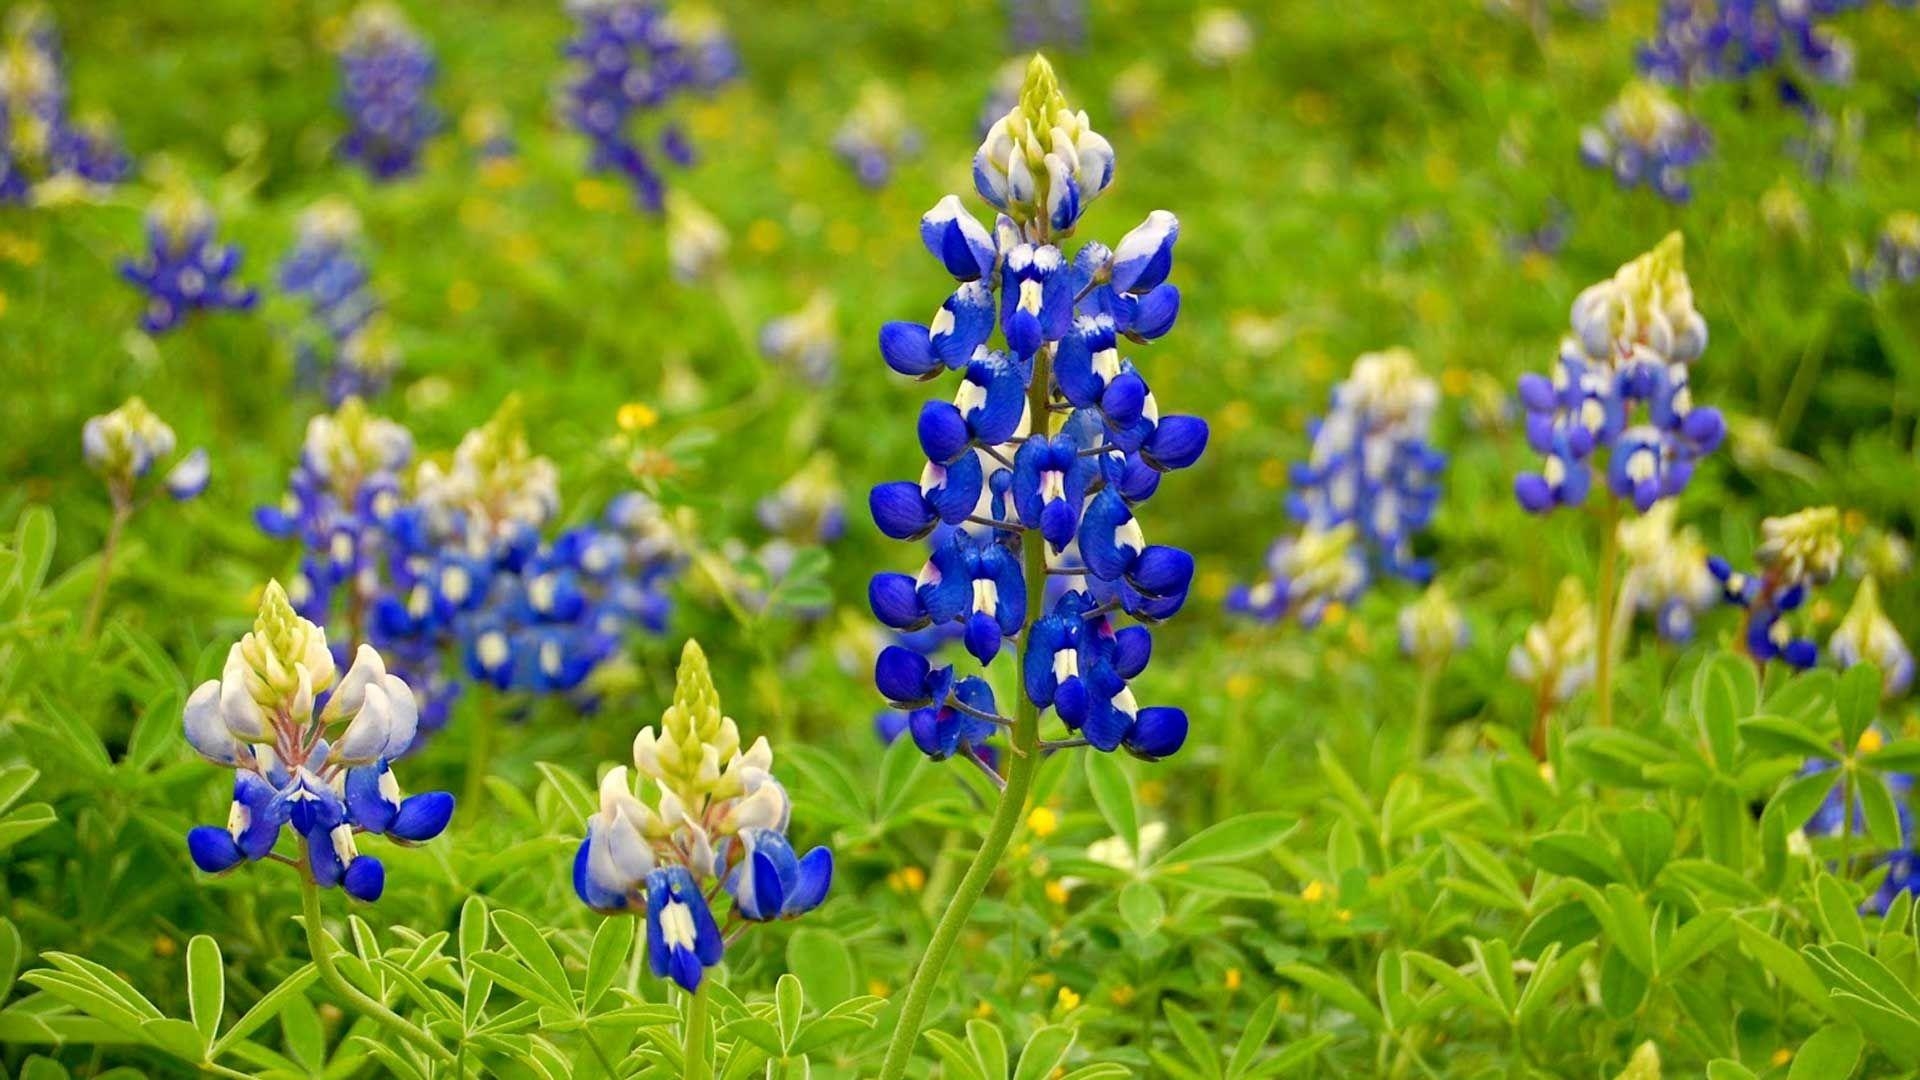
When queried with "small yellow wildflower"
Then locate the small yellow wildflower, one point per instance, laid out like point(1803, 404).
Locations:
point(1043, 822)
point(636, 416)
point(1314, 892)
point(1870, 741)
point(1057, 892)
point(1232, 979)
point(1069, 1000)
point(1122, 995)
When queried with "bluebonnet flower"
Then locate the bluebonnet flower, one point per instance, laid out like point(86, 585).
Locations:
point(1622, 385)
point(309, 750)
point(124, 445)
point(489, 130)
point(1041, 459)
point(1797, 553)
point(1034, 23)
point(1903, 875)
point(46, 154)
point(1645, 138)
point(1365, 492)
point(1701, 40)
point(386, 73)
point(185, 269)
point(630, 61)
point(806, 340)
point(717, 823)
point(350, 345)
point(1867, 635)
point(696, 240)
point(876, 135)
point(1667, 576)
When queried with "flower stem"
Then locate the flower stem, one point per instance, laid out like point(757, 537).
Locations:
point(1007, 813)
point(694, 1063)
point(122, 510)
point(1603, 610)
point(1423, 712)
point(318, 945)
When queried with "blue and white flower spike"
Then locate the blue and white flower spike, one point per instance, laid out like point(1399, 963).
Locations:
point(48, 156)
point(1367, 490)
point(185, 270)
point(348, 348)
point(1798, 553)
point(877, 135)
point(718, 822)
point(122, 447)
point(1031, 491)
point(1867, 635)
point(310, 749)
point(386, 73)
point(1646, 138)
point(1621, 385)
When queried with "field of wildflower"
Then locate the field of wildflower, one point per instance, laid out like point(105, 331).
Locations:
point(1036, 539)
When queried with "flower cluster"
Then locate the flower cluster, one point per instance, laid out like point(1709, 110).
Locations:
point(1044, 455)
point(805, 341)
point(309, 748)
point(810, 507)
point(1556, 657)
point(630, 61)
point(1366, 490)
point(458, 561)
point(45, 152)
point(1644, 137)
point(185, 270)
point(1867, 635)
point(350, 347)
point(1667, 576)
point(708, 817)
point(1797, 553)
point(1622, 386)
point(1704, 40)
point(124, 445)
point(1432, 628)
point(386, 72)
point(876, 135)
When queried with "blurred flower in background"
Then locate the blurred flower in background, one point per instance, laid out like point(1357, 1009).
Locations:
point(1034, 24)
point(805, 341)
point(1867, 635)
point(386, 73)
point(1221, 36)
point(184, 270)
point(1896, 254)
point(1667, 576)
point(1798, 552)
point(46, 153)
point(1367, 489)
point(1644, 137)
point(348, 348)
point(876, 135)
point(1634, 338)
point(1556, 656)
point(630, 61)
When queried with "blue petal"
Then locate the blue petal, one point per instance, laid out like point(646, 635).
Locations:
point(895, 601)
point(1144, 256)
point(901, 676)
point(943, 432)
point(213, 849)
point(1158, 732)
point(907, 349)
point(964, 324)
point(810, 887)
point(1176, 442)
point(422, 817)
point(365, 880)
point(899, 510)
point(1153, 316)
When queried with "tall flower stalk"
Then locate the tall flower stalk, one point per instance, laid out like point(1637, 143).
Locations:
point(1037, 465)
point(1620, 400)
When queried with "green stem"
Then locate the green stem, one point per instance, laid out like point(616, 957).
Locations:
point(1012, 807)
point(318, 945)
point(694, 1063)
point(1603, 609)
point(122, 510)
point(599, 1054)
point(1846, 819)
point(479, 753)
point(1423, 711)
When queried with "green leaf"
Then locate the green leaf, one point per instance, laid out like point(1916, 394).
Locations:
point(1575, 855)
point(1702, 934)
point(473, 928)
point(989, 1047)
point(1724, 693)
point(1457, 986)
point(1234, 838)
point(605, 957)
point(957, 1056)
point(1806, 697)
point(1784, 964)
point(1193, 1039)
point(1782, 737)
point(1857, 701)
point(1839, 911)
point(206, 986)
point(788, 1001)
point(33, 541)
point(1337, 991)
point(1723, 824)
point(14, 782)
point(23, 822)
point(1141, 906)
point(1646, 839)
point(1113, 794)
point(1831, 1054)
point(176, 1037)
point(516, 977)
point(266, 1008)
point(1728, 1069)
point(1254, 1036)
point(9, 956)
point(1900, 755)
point(1631, 929)
point(822, 962)
point(1883, 817)
point(1046, 1050)
point(534, 951)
